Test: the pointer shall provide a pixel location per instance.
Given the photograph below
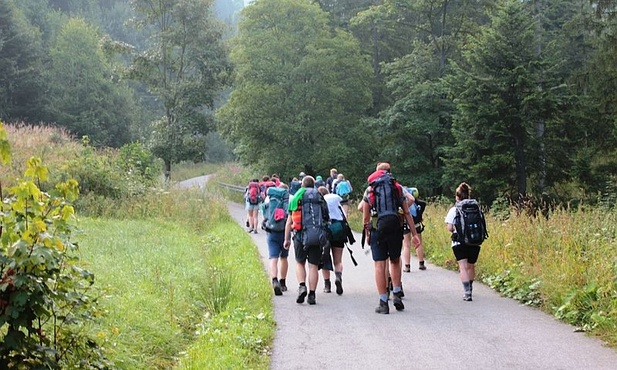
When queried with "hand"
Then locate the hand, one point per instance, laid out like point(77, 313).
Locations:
point(416, 240)
point(287, 244)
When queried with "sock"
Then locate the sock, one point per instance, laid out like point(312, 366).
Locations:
point(409, 266)
point(302, 284)
point(274, 280)
point(326, 281)
point(282, 281)
point(396, 289)
point(338, 274)
point(312, 293)
point(467, 287)
point(383, 297)
point(421, 263)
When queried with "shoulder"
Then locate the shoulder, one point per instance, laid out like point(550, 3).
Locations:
point(451, 215)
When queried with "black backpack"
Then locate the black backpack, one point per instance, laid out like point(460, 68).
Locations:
point(470, 223)
point(315, 219)
point(385, 200)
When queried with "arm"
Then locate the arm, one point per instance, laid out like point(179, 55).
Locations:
point(287, 242)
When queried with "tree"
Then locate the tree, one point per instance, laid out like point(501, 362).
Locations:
point(185, 68)
point(500, 90)
point(21, 85)
point(301, 89)
point(83, 97)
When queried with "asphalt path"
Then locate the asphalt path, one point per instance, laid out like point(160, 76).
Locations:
point(436, 330)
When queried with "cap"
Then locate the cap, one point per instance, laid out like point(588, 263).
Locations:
point(302, 174)
point(318, 178)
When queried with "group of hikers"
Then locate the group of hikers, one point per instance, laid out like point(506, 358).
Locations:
point(312, 214)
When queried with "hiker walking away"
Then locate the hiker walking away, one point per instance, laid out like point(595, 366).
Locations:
point(466, 223)
point(308, 221)
point(342, 187)
point(252, 198)
point(319, 182)
point(275, 214)
point(331, 179)
point(384, 204)
point(338, 237)
point(416, 208)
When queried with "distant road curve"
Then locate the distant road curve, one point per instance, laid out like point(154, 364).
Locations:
point(195, 182)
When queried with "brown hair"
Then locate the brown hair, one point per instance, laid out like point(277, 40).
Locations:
point(308, 182)
point(323, 190)
point(463, 191)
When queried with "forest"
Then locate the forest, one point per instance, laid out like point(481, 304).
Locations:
point(516, 97)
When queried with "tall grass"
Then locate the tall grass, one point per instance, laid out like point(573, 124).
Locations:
point(566, 264)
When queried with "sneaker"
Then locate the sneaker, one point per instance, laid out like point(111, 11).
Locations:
point(247, 223)
point(283, 288)
point(339, 285)
point(255, 231)
point(301, 294)
point(398, 302)
point(327, 288)
point(277, 288)
point(249, 231)
point(422, 267)
point(311, 299)
point(467, 297)
point(407, 268)
point(383, 307)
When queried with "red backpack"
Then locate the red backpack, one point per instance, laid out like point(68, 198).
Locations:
point(253, 193)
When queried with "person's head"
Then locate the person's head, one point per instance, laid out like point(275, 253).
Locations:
point(340, 177)
point(323, 190)
point(302, 174)
point(414, 192)
point(265, 178)
point(333, 172)
point(463, 191)
point(294, 179)
point(308, 182)
point(255, 180)
point(274, 176)
point(318, 178)
point(383, 166)
point(283, 186)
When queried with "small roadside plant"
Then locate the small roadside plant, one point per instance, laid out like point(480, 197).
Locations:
point(45, 297)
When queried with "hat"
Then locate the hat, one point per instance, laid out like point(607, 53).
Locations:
point(302, 174)
point(413, 191)
point(318, 178)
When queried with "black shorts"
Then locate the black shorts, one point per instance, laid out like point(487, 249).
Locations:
point(462, 251)
point(387, 243)
point(312, 254)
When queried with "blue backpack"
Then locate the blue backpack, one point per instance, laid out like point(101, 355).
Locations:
point(343, 188)
point(275, 211)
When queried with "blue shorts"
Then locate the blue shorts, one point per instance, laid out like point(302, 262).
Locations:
point(275, 244)
point(251, 207)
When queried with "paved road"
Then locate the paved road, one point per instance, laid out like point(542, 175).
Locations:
point(437, 329)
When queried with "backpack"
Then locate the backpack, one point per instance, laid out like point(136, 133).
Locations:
point(314, 219)
point(253, 193)
point(470, 223)
point(264, 186)
point(343, 188)
point(385, 201)
point(275, 212)
point(294, 186)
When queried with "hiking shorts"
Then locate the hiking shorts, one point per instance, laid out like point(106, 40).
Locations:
point(462, 251)
point(251, 207)
point(312, 254)
point(275, 241)
point(387, 244)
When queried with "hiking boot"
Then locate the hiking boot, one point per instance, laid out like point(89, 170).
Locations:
point(311, 299)
point(407, 268)
point(400, 294)
point(283, 288)
point(255, 231)
point(467, 297)
point(422, 267)
point(383, 307)
point(277, 288)
point(301, 294)
point(327, 288)
point(398, 302)
point(247, 223)
point(339, 285)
